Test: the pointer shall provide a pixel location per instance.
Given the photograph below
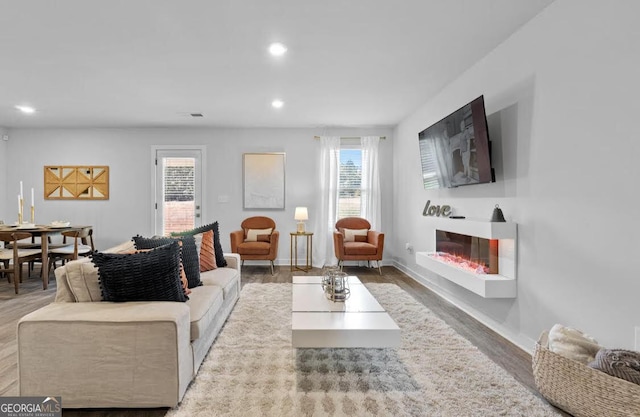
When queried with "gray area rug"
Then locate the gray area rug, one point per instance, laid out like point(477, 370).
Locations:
point(252, 370)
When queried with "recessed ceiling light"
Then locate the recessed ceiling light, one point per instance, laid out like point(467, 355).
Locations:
point(277, 104)
point(277, 49)
point(26, 109)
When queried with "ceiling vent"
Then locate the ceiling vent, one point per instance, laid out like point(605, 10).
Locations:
point(197, 115)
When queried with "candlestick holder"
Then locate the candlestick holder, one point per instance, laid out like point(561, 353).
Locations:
point(20, 212)
point(33, 215)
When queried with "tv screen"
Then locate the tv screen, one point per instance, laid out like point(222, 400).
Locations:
point(456, 150)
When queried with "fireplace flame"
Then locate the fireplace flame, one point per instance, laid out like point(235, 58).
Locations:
point(461, 262)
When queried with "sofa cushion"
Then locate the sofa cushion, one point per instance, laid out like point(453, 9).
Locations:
point(63, 292)
point(225, 278)
point(204, 303)
point(144, 276)
point(190, 258)
point(82, 278)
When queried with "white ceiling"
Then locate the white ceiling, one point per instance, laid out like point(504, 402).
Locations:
point(148, 63)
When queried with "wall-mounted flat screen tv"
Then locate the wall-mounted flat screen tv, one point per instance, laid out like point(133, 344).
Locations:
point(456, 150)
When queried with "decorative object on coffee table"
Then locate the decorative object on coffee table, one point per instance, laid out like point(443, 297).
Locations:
point(327, 272)
point(336, 286)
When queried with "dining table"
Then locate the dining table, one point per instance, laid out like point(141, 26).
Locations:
point(44, 231)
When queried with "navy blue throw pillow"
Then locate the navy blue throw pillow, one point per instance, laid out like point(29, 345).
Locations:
point(190, 259)
point(217, 247)
point(142, 276)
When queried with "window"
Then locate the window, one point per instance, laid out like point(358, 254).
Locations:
point(350, 182)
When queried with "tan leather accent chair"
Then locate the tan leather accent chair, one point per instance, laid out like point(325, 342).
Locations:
point(353, 240)
point(256, 246)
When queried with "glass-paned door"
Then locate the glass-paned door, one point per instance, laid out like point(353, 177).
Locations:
point(178, 204)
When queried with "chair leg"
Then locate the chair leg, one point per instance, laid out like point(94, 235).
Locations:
point(52, 266)
point(17, 276)
point(271, 267)
point(5, 265)
point(379, 269)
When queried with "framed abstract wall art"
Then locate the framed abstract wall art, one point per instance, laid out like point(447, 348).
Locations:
point(263, 181)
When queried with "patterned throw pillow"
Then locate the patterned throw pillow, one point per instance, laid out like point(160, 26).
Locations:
point(190, 257)
point(183, 280)
point(143, 276)
point(217, 247)
point(183, 275)
point(207, 253)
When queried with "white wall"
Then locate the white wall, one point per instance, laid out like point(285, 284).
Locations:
point(128, 154)
point(563, 102)
point(3, 177)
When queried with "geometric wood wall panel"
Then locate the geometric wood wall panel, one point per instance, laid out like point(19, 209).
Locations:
point(76, 182)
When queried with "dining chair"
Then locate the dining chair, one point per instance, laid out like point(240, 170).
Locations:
point(12, 258)
point(28, 243)
point(82, 246)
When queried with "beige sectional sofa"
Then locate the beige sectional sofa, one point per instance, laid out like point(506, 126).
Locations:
point(97, 354)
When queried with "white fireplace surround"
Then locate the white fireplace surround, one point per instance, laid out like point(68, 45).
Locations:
point(502, 285)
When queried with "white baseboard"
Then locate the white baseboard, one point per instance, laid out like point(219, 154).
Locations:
point(523, 342)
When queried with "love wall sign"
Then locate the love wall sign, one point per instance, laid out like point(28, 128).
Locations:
point(437, 211)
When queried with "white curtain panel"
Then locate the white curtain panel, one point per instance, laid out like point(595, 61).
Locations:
point(371, 181)
point(327, 203)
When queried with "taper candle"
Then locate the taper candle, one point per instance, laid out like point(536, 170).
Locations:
point(21, 193)
point(32, 198)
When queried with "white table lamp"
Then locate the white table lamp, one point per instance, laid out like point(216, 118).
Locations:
point(301, 215)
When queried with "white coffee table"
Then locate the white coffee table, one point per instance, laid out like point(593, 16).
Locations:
point(358, 322)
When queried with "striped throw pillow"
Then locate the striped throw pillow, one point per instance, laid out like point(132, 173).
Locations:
point(207, 252)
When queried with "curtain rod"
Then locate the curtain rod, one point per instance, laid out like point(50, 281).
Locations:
point(349, 137)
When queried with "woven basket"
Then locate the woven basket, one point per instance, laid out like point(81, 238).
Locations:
point(580, 390)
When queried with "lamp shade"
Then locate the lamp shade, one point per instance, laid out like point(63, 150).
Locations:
point(301, 214)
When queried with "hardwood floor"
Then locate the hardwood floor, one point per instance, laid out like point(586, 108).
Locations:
point(511, 358)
